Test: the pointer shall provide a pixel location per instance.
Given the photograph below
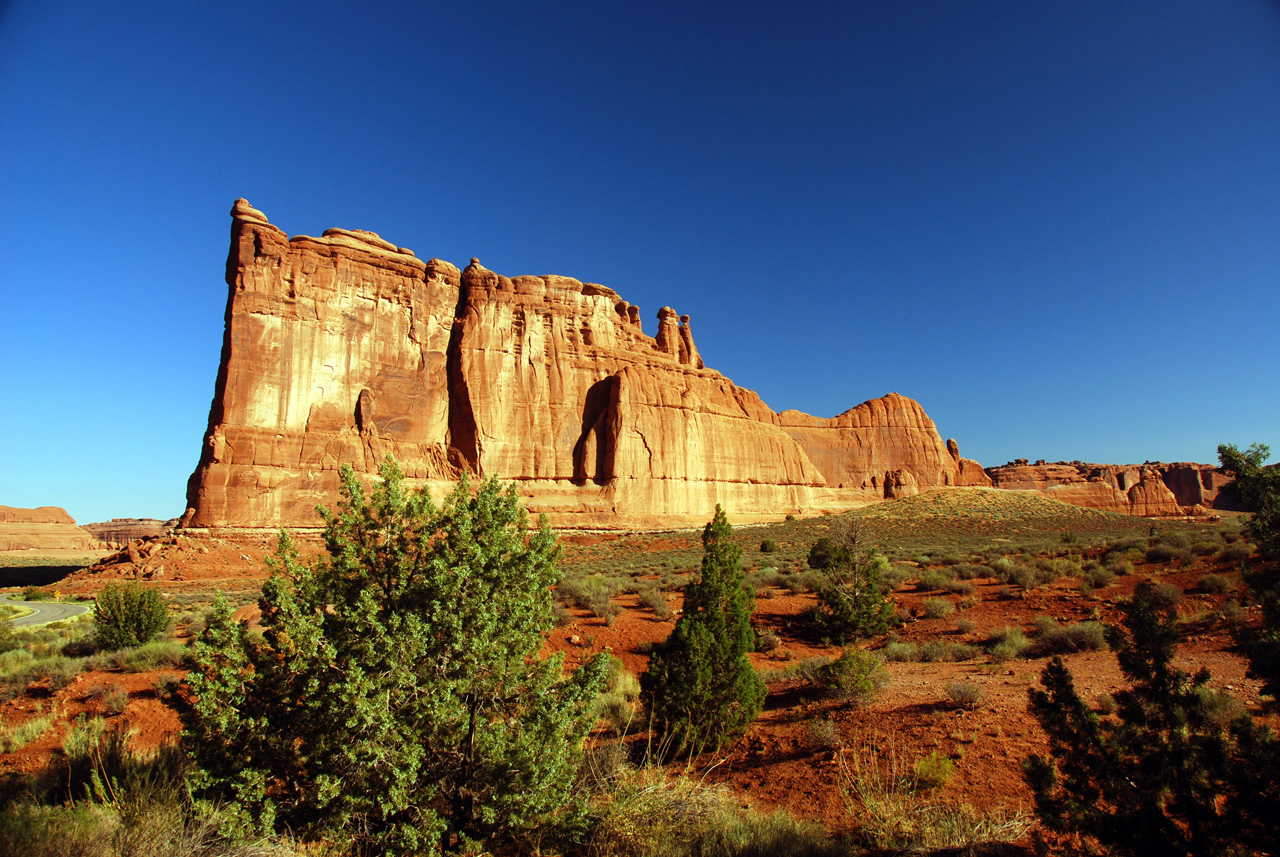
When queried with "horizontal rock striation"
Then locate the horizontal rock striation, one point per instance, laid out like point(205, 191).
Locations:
point(344, 348)
point(43, 528)
point(1152, 489)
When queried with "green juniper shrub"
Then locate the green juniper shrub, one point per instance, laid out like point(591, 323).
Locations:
point(395, 699)
point(855, 601)
point(1259, 487)
point(826, 553)
point(1163, 774)
point(128, 615)
point(768, 546)
point(700, 688)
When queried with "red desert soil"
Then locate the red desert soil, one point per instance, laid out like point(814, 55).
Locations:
point(775, 764)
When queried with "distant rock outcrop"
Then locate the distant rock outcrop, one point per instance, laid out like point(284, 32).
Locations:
point(43, 528)
point(344, 348)
point(1151, 489)
point(119, 531)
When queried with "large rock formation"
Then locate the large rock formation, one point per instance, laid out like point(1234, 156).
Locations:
point(344, 348)
point(44, 528)
point(1151, 489)
point(884, 448)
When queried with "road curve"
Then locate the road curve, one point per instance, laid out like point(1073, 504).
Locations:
point(45, 611)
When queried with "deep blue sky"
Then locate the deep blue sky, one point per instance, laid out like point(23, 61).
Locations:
point(1055, 224)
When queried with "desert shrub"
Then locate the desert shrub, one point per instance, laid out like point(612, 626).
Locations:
point(767, 641)
point(1214, 584)
point(895, 816)
point(1219, 707)
point(1104, 703)
point(763, 579)
point(810, 669)
point(618, 700)
point(940, 651)
point(1008, 643)
point(897, 574)
point(34, 593)
point(1165, 595)
point(129, 614)
point(966, 694)
point(938, 608)
point(900, 652)
point(933, 579)
point(646, 813)
point(856, 676)
point(1236, 552)
point(821, 734)
point(932, 771)
point(959, 587)
point(151, 656)
point(1099, 577)
point(413, 647)
point(969, 571)
point(594, 593)
point(1055, 639)
point(655, 601)
point(1176, 539)
point(768, 546)
point(1204, 548)
point(809, 581)
point(965, 626)
point(700, 689)
point(1162, 775)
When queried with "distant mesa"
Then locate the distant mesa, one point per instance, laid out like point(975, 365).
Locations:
point(342, 348)
point(1152, 489)
point(43, 528)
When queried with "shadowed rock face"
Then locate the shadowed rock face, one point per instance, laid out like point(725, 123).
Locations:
point(344, 348)
point(1151, 489)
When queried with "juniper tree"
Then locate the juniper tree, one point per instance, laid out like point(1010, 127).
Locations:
point(1164, 776)
point(700, 687)
point(395, 695)
point(1259, 488)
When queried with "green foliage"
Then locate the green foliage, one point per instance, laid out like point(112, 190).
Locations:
point(128, 615)
point(1164, 775)
point(932, 771)
point(856, 676)
point(827, 553)
point(8, 639)
point(854, 601)
point(395, 697)
point(700, 688)
point(1259, 487)
point(768, 546)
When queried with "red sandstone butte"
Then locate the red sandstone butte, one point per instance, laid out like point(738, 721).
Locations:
point(344, 348)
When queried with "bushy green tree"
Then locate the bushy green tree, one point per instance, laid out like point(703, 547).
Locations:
point(1164, 776)
point(1259, 487)
point(129, 614)
point(395, 695)
point(700, 688)
point(854, 600)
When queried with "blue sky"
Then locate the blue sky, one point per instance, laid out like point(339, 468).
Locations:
point(1055, 224)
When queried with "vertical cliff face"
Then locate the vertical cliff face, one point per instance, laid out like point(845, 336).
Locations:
point(344, 348)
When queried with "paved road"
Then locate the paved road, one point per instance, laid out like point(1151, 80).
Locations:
point(45, 611)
